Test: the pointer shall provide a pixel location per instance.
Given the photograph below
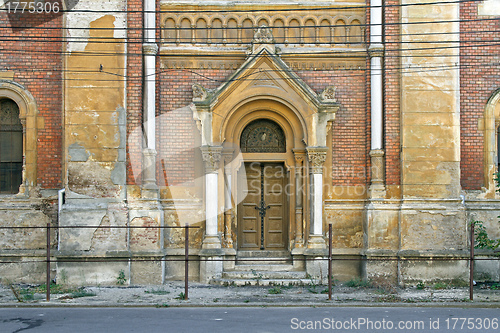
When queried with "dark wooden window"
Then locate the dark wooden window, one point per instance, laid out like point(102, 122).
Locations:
point(263, 136)
point(11, 147)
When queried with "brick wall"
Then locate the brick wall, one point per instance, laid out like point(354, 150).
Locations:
point(134, 89)
point(31, 48)
point(392, 93)
point(177, 129)
point(479, 78)
point(349, 140)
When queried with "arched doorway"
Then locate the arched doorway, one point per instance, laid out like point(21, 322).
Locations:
point(270, 183)
point(263, 206)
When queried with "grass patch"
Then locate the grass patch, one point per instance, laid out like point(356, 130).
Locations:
point(440, 285)
point(82, 293)
point(275, 290)
point(181, 296)
point(358, 283)
point(157, 292)
point(163, 305)
point(30, 293)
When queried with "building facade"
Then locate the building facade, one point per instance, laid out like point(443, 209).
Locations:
point(257, 124)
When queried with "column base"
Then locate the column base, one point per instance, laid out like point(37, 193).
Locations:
point(316, 242)
point(317, 267)
point(210, 268)
point(377, 191)
point(150, 192)
point(211, 242)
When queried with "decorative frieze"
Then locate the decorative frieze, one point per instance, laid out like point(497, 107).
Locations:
point(190, 60)
point(325, 27)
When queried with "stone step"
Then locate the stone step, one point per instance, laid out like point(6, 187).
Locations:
point(264, 254)
point(263, 274)
point(264, 261)
point(265, 282)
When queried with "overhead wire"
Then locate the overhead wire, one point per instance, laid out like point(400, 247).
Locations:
point(390, 52)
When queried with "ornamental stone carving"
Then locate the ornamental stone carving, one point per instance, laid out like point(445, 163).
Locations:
point(211, 156)
point(263, 35)
point(316, 157)
point(328, 94)
point(200, 94)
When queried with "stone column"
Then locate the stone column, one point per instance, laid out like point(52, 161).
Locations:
point(376, 51)
point(316, 251)
point(299, 199)
point(211, 156)
point(149, 189)
point(317, 158)
point(211, 263)
point(228, 204)
point(377, 187)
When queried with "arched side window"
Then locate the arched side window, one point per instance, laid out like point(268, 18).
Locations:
point(491, 142)
point(11, 147)
point(498, 148)
point(22, 143)
point(262, 136)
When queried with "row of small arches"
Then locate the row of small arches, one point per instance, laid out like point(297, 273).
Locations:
point(291, 30)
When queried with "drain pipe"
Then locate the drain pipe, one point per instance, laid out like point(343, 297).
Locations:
point(61, 200)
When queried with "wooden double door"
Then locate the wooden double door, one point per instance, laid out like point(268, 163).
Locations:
point(262, 211)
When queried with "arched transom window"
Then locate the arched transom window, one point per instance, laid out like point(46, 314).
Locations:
point(262, 136)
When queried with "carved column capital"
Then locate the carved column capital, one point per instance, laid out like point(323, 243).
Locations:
point(376, 50)
point(149, 48)
point(316, 157)
point(211, 156)
point(227, 157)
point(299, 156)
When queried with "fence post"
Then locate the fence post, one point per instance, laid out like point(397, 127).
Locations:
point(329, 261)
point(48, 263)
point(186, 262)
point(471, 262)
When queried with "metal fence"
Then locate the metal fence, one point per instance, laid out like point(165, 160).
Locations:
point(186, 259)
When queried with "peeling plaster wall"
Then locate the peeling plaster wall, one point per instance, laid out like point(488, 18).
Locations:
point(95, 144)
point(95, 116)
point(430, 103)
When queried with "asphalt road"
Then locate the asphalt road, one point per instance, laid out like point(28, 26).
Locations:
point(241, 319)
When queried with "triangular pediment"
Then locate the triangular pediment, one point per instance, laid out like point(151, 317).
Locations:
point(263, 74)
point(265, 79)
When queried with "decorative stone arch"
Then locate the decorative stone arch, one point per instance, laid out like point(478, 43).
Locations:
point(28, 114)
point(491, 125)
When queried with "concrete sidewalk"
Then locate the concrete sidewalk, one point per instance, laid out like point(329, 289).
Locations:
point(171, 294)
